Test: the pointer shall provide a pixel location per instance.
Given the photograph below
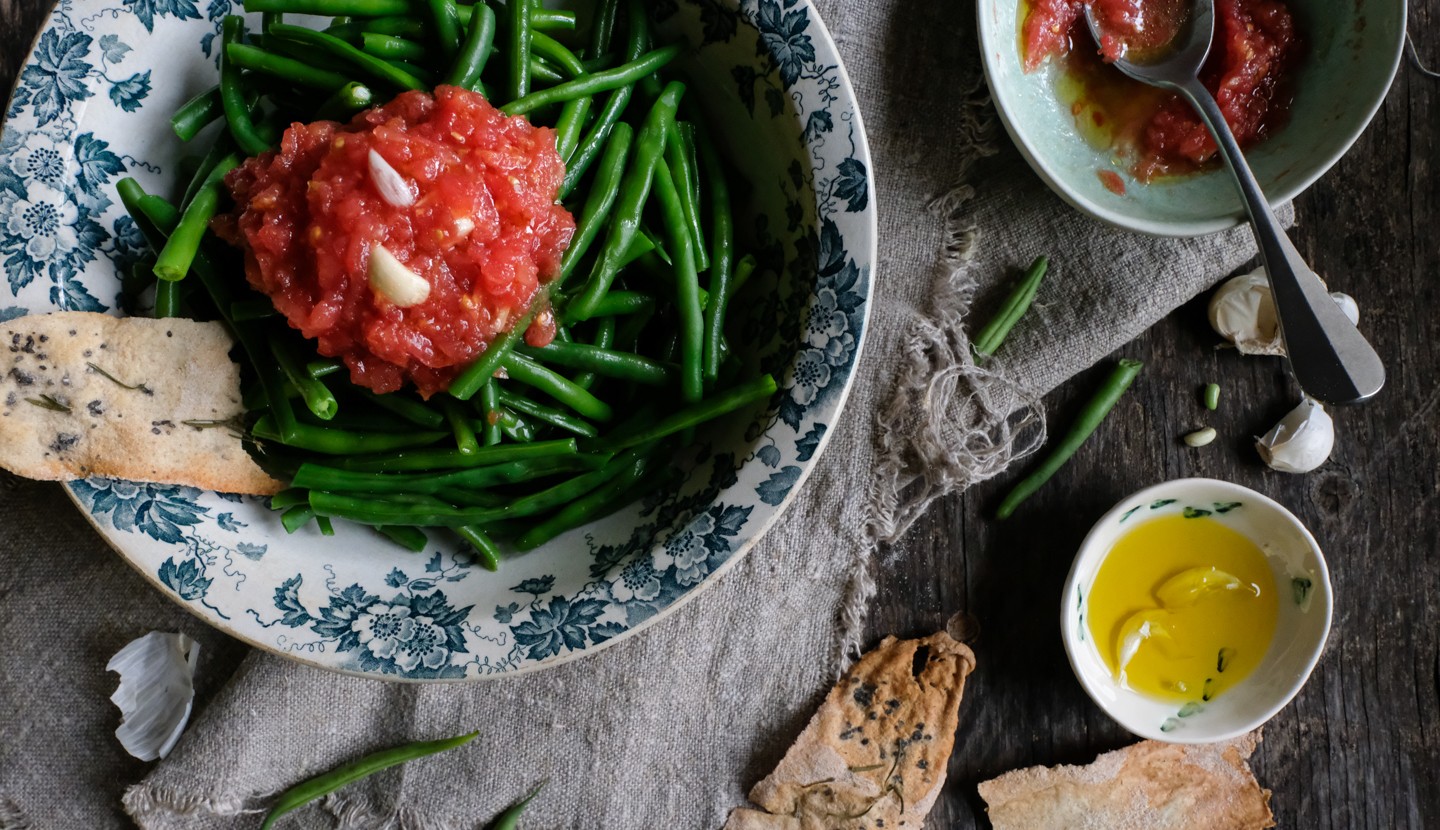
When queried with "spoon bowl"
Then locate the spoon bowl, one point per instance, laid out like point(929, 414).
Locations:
point(1329, 357)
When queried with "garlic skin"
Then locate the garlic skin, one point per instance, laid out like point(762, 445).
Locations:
point(1242, 311)
point(1301, 442)
point(392, 280)
point(156, 692)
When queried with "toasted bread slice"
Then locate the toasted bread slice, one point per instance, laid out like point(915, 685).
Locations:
point(85, 394)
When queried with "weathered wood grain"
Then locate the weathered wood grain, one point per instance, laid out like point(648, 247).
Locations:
point(1360, 746)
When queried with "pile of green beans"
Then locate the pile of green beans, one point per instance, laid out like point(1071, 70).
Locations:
point(531, 440)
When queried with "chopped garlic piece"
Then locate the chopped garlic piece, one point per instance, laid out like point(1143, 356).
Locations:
point(392, 280)
point(392, 186)
point(156, 692)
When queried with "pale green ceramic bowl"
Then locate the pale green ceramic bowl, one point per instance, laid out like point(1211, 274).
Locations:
point(1354, 49)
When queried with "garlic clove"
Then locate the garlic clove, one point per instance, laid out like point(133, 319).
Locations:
point(392, 280)
point(1301, 442)
point(1242, 311)
point(156, 692)
point(392, 186)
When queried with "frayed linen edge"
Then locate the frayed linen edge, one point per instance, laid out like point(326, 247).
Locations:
point(350, 812)
point(143, 800)
point(12, 817)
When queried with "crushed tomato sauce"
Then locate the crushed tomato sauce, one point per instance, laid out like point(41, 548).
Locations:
point(485, 231)
point(1253, 59)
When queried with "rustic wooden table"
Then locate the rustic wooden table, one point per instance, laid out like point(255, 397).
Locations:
point(1360, 746)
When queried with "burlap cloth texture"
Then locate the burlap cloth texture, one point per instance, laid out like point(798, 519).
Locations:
point(669, 728)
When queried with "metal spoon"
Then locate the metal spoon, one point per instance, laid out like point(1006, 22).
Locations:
point(1330, 358)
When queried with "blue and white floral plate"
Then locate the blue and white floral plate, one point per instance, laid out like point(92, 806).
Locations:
point(92, 105)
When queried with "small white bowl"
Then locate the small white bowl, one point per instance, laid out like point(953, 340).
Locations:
point(1300, 628)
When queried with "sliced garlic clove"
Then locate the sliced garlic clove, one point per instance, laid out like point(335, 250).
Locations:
point(392, 280)
point(156, 692)
point(392, 186)
point(1301, 441)
point(1242, 311)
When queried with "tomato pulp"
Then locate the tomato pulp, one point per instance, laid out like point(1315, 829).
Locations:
point(482, 228)
point(1252, 62)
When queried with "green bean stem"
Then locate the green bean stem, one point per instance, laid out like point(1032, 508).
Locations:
point(634, 192)
point(687, 286)
point(1091, 415)
point(989, 338)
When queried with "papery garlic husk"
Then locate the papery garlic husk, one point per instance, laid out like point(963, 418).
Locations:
point(1242, 311)
point(156, 692)
point(1301, 441)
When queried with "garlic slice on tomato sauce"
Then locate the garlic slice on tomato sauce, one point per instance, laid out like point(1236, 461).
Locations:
point(392, 186)
point(391, 279)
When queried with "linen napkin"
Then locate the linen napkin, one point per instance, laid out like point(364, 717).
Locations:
point(671, 727)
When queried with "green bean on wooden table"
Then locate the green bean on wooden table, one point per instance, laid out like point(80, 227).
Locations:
point(989, 338)
point(322, 785)
point(1090, 417)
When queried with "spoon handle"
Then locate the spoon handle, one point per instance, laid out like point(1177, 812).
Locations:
point(1331, 360)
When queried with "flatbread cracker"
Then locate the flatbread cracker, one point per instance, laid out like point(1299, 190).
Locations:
point(875, 753)
point(67, 410)
point(1147, 786)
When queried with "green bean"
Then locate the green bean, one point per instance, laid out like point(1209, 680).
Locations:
point(604, 339)
point(490, 406)
point(547, 414)
point(518, 54)
point(510, 819)
point(296, 517)
point(232, 95)
point(289, 498)
point(318, 398)
point(332, 8)
point(413, 411)
point(989, 338)
point(568, 491)
point(326, 527)
point(384, 511)
point(322, 785)
point(555, 52)
point(514, 426)
point(486, 551)
point(602, 29)
point(333, 479)
point(390, 46)
point(609, 79)
point(334, 441)
point(441, 459)
point(599, 502)
point(713, 407)
point(167, 299)
point(744, 270)
point(634, 192)
point(465, 442)
point(599, 202)
point(692, 157)
point(219, 150)
point(410, 28)
point(542, 19)
point(446, 20)
point(378, 68)
point(524, 370)
point(412, 539)
point(318, 368)
point(1212, 396)
point(569, 124)
point(197, 113)
point(617, 303)
point(545, 72)
point(477, 374)
point(1090, 417)
point(345, 102)
point(614, 364)
point(722, 246)
point(427, 78)
point(595, 141)
point(687, 286)
point(684, 173)
point(643, 244)
point(297, 72)
point(475, 52)
point(173, 261)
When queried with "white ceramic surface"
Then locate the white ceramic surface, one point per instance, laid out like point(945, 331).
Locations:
point(1300, 630)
